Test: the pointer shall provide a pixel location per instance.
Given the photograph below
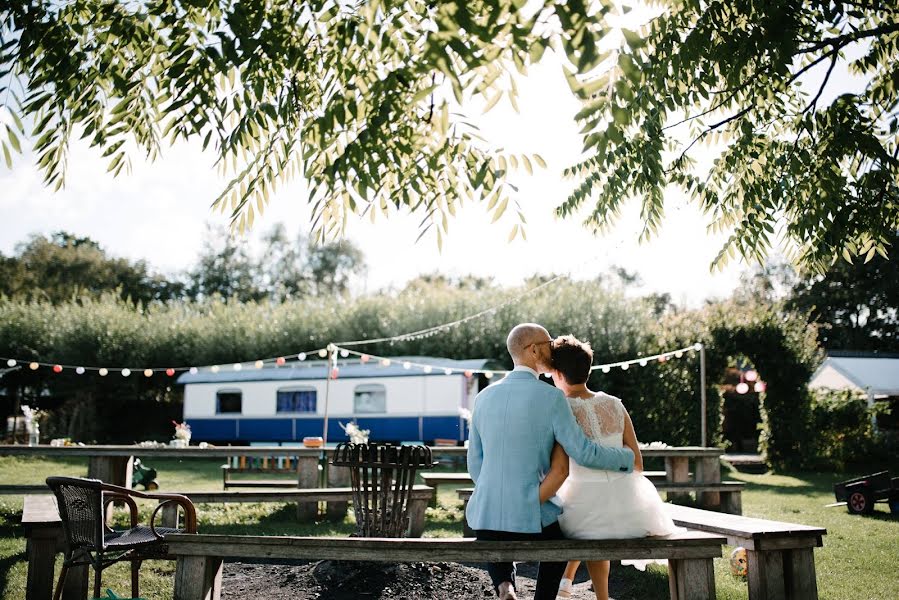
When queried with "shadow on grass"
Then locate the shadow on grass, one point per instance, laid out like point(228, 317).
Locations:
point(625, 583)
point(10, 529)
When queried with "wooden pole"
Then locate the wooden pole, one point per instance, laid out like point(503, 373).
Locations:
point(702, 395)
point(327, 393)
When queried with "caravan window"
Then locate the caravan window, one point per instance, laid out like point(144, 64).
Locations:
point(228, 401)
point(370, 398)
point(302, 399)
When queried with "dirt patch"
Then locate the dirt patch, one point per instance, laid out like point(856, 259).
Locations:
point(343, 580)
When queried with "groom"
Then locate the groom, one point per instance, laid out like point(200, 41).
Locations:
point(513, 428)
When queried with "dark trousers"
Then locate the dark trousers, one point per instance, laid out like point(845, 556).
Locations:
point(549, 574)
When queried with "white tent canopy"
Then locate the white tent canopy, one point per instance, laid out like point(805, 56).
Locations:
point(875, 376)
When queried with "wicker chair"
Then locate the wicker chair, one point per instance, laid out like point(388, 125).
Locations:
point(89, 541)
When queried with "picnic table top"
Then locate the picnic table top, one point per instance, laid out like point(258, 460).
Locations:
point(264, 451)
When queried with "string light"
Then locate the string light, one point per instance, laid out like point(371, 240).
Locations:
point(214, 368)
point(194, 370)
point(238, 367)
point(280, 361)
point(33, 366)
point(752, 375)
point(323, 353)
point(104, 372)
point(57, 368)
point(79, 370)
point(301, 356)
point(11, 362)
point(126, 372)
point(759, 387)
point(407, 365)
point(742, 387)
point(170, 371)
point(259, 364)
point(148, 372)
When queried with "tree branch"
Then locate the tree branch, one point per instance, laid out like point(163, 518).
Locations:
point(844, 40)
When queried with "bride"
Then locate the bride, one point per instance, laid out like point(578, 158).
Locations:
point(598, 504)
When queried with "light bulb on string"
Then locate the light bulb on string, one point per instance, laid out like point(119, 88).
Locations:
point(344, 353)
point(301, 356)
point(194, 370)
point(407, 365)
point(11, 362)
point(678, 354)
point(335, 372)
point(468, 374)
point(625, 367)
point(752, 375)
point(33, 366)
point(643, 363)
point(259, 364)
point(759, 387)
point(79, 370)
point(488, 374)
point(126, 372)
point(103, 371)
point(427, 369)
point(214, 368)
point(447, 371)
point(148, 372)
point(323, 352)
point(385, 362)
point(364, 358)
point(57, 368)
point(170, 372)
point(237, 366)
point(606, 369)
point(280, 361)
point(742, 387)
point(697, 346)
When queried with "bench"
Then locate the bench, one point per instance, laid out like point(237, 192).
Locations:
point(420, 497)
point(22, 490)
point(730, 493)
point(305, 468)
point(780, 555)
point(198, 575)
point(44, 539)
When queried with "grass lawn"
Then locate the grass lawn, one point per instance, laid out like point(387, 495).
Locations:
point(857, 560)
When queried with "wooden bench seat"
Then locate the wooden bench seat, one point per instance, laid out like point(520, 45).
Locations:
point(23, 490)
point(418, 502)
point(199, 571)
point(780, 555)
point(730, 493)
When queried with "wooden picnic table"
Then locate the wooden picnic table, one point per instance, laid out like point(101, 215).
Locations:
point(114, 463)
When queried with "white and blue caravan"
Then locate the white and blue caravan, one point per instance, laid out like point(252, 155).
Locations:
point(287, 403)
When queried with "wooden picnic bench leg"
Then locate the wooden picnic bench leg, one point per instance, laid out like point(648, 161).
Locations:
point(417, 510)
point(732, 502)
point(198, 578)
point(41, 549)
point(691, 579)
point(766, 575)
point(708, 470)
point(337, 477)
point(677, 470)
point(799, 571)
point(307, 478)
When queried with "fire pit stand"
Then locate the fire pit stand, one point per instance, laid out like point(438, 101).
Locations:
point(382, 476)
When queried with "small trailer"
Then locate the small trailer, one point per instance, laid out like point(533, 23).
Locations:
point(860, 494)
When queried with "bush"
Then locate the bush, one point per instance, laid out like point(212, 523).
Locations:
point(843, 434)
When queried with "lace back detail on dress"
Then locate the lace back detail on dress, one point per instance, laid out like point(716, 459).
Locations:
point(601, 416)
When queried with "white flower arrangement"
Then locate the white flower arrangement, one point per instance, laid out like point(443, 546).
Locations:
point(32, 417)
point(182, 431)
point(356, 435)
point(653, 445)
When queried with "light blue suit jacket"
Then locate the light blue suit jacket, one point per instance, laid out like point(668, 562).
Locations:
point(513, 427)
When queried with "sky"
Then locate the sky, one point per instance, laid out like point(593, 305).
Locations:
point(160, 210)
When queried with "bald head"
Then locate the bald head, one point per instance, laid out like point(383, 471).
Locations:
point(523, 338)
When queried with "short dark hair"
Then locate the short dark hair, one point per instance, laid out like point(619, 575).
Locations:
point(572, 358)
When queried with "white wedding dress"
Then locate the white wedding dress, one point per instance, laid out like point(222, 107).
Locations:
point(608, 504)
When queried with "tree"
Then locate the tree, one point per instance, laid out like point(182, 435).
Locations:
point(365, 100)
point(225, 268)
point(854, 304)
point(821, 176)
point(65, 266)
point(332, 266)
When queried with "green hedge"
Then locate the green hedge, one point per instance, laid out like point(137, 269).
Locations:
point(664, 399)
